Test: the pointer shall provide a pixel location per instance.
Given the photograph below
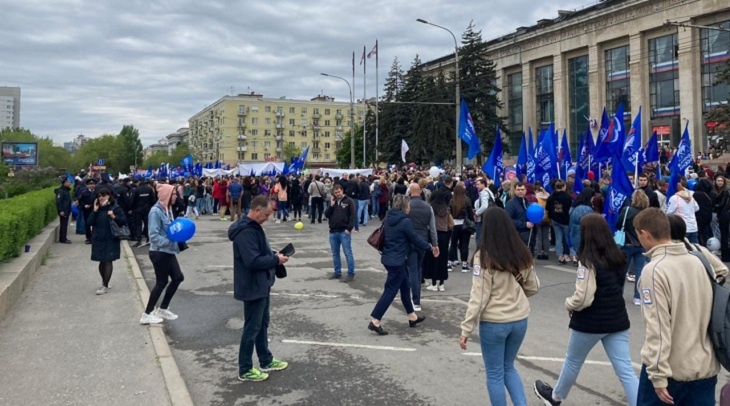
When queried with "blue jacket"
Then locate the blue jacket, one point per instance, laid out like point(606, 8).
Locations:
point(399, 235)
point(158, 225)
point(254, 264)
point(517, 210)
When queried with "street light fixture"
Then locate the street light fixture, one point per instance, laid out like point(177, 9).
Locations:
point(458, 97)
point(352, 120)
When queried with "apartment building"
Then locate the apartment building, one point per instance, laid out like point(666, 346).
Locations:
point(9, 107)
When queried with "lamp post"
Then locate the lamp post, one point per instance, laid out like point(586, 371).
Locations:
point(352, 120)
point(458, 96)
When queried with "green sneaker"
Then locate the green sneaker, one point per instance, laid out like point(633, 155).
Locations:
point(275, 365)
point(253, 375)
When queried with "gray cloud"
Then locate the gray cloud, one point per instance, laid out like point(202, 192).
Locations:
point(91, 67)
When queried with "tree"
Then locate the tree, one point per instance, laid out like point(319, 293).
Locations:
point(130, 147)
point(290, 151)
point(156, 159)
point(478, 85)
point(48, 154)
point(392, 116)
point(181, 151)
point(343, 154)
point(105, 147)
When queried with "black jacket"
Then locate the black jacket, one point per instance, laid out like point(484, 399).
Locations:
point(607, 314)
point(63, 200)
point(630, 212)
point(254, 263)
point(363, 191)
point(653, 199)
point(558, 207)
point(143, 198)
point(121, 193)
point(341, 216)
point(517, 210)
point(399, 239)
point(351, 189)
point(87, 198)
point(104, 247)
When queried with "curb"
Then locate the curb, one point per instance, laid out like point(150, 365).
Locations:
point(176, 388)
point(17, 274)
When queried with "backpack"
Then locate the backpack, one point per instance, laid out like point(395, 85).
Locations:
point(719, 327)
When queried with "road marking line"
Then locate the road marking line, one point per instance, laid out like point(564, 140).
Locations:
point(371, 347)
point(553, 359)
point(447, 301)
point(560, 268)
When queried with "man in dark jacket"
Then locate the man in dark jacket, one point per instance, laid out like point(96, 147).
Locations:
point(517, 210)
point(646, 187)
point(351, 188)
point(363, 197)
point(424, 224)
point(254, 268)
point(342, 217)
point(558, 209)
point(86, 204)
point(63, 206)
point(143, 198)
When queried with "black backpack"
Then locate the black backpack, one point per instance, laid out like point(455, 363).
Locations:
point(719, 327)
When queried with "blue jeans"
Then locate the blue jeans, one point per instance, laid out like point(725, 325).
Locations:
point(500, 343)
point(362, 207)
point(616, 346)
point(636, 254)
point(345, 240)
point(561, 239)
point(693, 237)
point(694, 393)
point(255, 334)
point(415, 273)
point(282, 210)
point(374, 205)
point(396, 281)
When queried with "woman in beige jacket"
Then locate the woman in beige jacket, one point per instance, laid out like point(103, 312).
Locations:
point(503, 279)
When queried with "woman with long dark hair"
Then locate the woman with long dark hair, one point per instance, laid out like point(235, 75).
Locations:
point(597, 312)
point(503, 279)
point(436, 269)
point(105, 248)
point(296, 195)
point(461, 209)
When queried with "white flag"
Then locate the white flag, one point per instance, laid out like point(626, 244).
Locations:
point(403, 150)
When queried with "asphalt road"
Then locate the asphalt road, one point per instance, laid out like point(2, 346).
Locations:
point(320, 327)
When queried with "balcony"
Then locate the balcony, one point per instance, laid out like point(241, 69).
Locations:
point(241, 124)
point(242, 149)
point(339, 128)
point(278, 149)
point(316, 116)
point(316, 136)
point(338, 116)
point(279, 137)
point(242, 137)
point(316, 127)
point(279, 113)
point(316, 150)
point(279, 126)
point(242, 111)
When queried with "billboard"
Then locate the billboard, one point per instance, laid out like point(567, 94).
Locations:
point(20, 153)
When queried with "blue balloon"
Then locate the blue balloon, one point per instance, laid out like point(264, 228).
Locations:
point(535, 213)
point(75, 210)
point(181, 230)
point(692, 183)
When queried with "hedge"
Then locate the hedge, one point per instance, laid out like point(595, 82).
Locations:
point(22, 218)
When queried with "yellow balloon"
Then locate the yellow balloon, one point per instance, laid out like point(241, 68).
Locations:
point(299, 225)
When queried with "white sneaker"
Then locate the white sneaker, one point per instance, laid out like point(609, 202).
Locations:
point(278, 221)
point(465, 268)
point(442, 288)
point(637, 302)
point(102, 290)
point(464, 265)
point(150, 319)
point(432, 288)
point(165, 314)
point(416, 308)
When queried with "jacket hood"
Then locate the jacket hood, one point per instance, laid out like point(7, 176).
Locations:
point(394, 217)
point(241, 225)
point(673, 248)
point(164, 192)
point(685, 195)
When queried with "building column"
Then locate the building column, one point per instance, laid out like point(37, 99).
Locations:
point(560, 92)
point(639, 68)
point(690, 86)
point(597, 84)
point(528, 98)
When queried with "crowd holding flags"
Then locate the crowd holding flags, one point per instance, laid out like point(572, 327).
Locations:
point(494, 167)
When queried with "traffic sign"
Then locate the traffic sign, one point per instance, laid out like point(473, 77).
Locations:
point(100, 162)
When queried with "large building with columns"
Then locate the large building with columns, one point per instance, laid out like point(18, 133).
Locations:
point(566, 69)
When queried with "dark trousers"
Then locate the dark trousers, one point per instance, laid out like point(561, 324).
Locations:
point(694, 393)
point(724, 220)
point(415, 273)
point(297, 210)
point(317, 209)
point(705, 233)
point(132, 224)
point(382, 209)
point(87, 226)
point(529, 239)
point(63, 228)
point(459, 240)
point(255, 334)
point(166, 267)
point(215, 206)
point(397, 281)
point(141, 218)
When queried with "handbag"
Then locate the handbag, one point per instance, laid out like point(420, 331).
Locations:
point(377, 238)
point(119, 232)
point(620, 235)
point(469, 226)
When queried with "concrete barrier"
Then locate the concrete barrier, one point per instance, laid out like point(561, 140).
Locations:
point(17, 274)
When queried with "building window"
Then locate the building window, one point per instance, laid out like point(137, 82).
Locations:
point(715, 45)
point(255, 109)
point(292, 144)
point(241, 109)
point(327, 134)
point(254, 132)
point(267, 144)
point(267, 133)
point(618, 81)
point(267, 109)
point(291, 133)
point(253, 144)
point(327, 123)
point(254, 156)
point(514, 110)
point(578, 95)
point(304, 110)
point(304, 122)
point(326, 112)
point(292, 121)
point(292, 110)
point(267, 156)
point(315, 110)
point(664, 76)
point(326, 145)
point(303, 145)
point(544, 95)
point(268, 121)
point(254, 120)
point(304, 133)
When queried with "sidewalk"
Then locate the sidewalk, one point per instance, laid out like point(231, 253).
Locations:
point(62, 345)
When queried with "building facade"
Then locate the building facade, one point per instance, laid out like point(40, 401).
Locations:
point(160, 145)
point(565, 70)
point(177, 138)
point(251, 128)
point(9, 107)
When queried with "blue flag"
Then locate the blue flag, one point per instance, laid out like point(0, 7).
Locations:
point(217, 164)
point(209, 165)
point(585, 154)
point(546, 159)
point(302, 159)
point(494, 167)
point(651, 149)
point(680, 162)
point(228, 167)
point(631, 156)
point(467, 132)
point(521, 167)
point(610, 136)
point(566, 161)
point(530, 171)
point(149, 172)
point(619, 190)
point(186, 161)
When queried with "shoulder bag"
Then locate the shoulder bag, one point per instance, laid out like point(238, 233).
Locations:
point(377, 238)
point(119, 232)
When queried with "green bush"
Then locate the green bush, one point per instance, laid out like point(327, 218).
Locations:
point(22, 218)
point(28, 181)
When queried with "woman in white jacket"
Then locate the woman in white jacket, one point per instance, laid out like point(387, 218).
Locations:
point(684, 205)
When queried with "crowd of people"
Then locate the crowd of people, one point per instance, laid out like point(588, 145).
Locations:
point(428, 223)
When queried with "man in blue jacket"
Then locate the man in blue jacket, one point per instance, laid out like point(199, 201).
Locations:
point(517, 210)
point(254, 267)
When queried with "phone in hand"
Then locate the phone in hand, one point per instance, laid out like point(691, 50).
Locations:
point(288, 250)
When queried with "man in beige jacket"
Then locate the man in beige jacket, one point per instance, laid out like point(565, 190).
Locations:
point(679, 363)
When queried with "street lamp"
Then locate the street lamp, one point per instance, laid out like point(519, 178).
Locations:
point(458, 97)
point(352, 120)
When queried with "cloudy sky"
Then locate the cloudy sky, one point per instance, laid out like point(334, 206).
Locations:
point(92, 66)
